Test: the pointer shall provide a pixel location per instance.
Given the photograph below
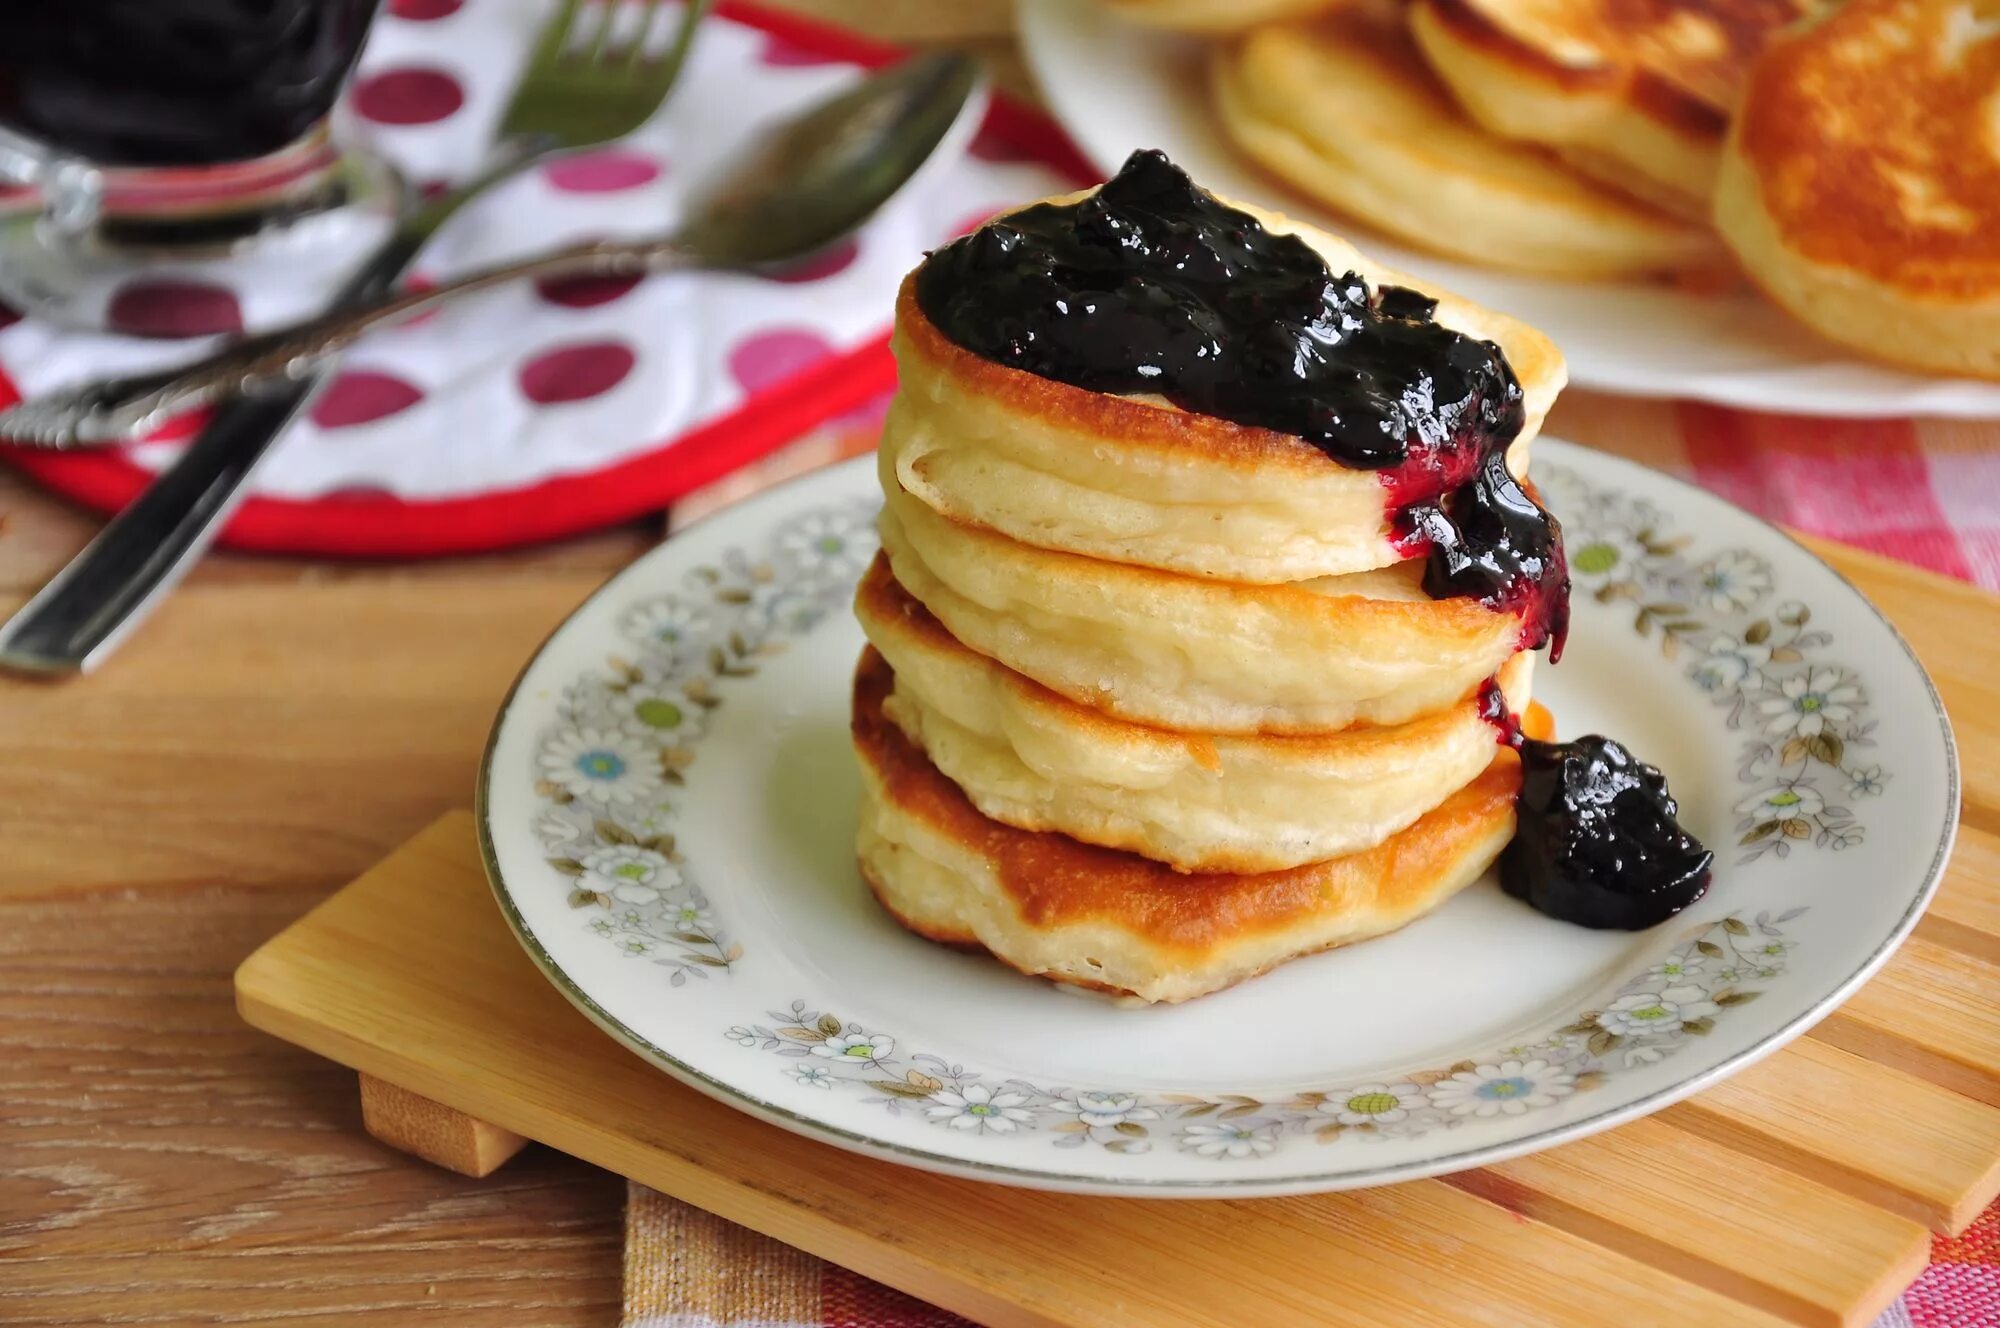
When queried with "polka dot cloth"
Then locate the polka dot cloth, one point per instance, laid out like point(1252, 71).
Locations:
point(561, 377)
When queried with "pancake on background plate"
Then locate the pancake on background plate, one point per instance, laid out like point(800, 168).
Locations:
point(1345, 109)
point(1861, 182)
point(1117, 922)
point(1636, 93)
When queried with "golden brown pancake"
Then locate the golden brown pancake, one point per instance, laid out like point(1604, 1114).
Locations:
point(1198, 655)
point(1135, 480)
point(1113, 921)
point(1634, 92)
point(1861, 183)
point(1035, 760)
point(1214, 16)
point(1345, 109)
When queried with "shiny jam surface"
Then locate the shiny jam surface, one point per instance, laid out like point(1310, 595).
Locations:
point(1151, 285)
point(1597, 843)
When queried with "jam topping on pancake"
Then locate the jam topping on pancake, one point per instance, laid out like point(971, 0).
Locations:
point(1151, 285)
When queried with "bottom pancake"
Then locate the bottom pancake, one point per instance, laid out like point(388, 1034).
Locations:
point(1056, 908)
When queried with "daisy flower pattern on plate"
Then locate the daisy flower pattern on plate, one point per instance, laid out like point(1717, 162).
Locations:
point(658, 712)
point(1730, 582)
point(1729, 665)
point(1643, 1022)
point(1105, 1111)
point(1786, 802)
point(630, 874)
point(1225, 1140)
point(824, 545)
point(856, 1047)
point(977, 1107)
point(601, 766)
point(1666, 1011)
point(668, 624)
point(1511, 1087)
point(630, 730)
point(1606, 552)
point(1808, 702)
point(1373, 1104)
point(1866, 781)
point(1718, 615)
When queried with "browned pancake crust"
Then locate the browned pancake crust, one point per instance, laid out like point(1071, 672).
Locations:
point(1680, 62)
point(1053, 880)
point(1872, 134)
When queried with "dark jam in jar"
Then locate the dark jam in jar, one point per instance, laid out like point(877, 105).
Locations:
point(1596, 841)
point(1151, 285)
point(175, 82)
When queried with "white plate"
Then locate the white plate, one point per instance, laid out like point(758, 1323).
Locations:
point(1117, 87)
point(756, 967)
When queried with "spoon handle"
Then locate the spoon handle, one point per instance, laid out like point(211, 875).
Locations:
point(79, 617)
point(110, 410)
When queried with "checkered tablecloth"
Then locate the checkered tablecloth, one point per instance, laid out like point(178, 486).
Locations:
point(1926, 492)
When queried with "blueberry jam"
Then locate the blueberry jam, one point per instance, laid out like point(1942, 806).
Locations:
point(1152, 286)
point(1597, 843)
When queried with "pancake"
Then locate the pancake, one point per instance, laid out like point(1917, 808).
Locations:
point(1135, 480)
point(1636, 93)
point(1345, 110)
point(1116, 922)
point(1036, 761)
point(1860, 186)
point(1203, 656)
point(1215, 16)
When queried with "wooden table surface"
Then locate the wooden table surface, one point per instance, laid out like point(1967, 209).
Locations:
point(279, 726)
point(160, 1162)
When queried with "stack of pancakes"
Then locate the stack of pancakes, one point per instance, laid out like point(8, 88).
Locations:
point(1843, 154)
point(1153, 701)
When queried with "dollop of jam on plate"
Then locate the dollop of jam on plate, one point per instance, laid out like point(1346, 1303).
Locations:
point(1151, 285)
point(1597, 842)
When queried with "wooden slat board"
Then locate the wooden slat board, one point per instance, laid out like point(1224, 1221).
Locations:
point(1798, 1192)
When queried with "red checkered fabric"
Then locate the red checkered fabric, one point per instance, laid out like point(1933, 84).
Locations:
point(1926, 492)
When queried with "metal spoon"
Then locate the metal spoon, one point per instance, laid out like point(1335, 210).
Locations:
point(814, 180)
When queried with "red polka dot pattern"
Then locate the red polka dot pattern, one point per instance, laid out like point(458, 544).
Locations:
point(576, 372)
point(173, 307)
point(585, 292)
point(420, 94)
point(361, 396)
point(782, 54)
point(602, 172)
point(821, 265)
point(989, 144)
point(772, 357)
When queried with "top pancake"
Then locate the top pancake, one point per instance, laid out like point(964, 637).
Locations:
point(1136, 480)
point(1636, 92)
point(1875, 138)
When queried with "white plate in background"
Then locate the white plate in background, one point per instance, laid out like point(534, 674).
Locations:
point(1116, 87)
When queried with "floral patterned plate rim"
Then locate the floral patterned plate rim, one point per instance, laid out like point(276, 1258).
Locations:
point(667, 804)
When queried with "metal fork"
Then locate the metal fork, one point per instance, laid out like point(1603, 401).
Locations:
point(585, 83)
